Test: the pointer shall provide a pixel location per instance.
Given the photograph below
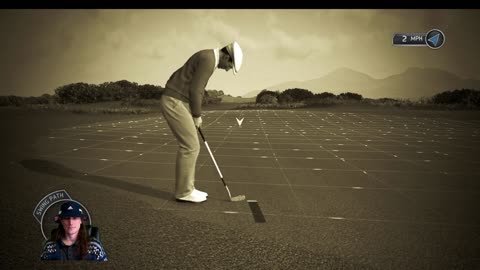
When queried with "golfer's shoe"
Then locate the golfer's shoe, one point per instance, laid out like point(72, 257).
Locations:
point(200, 193)
point(193, 197)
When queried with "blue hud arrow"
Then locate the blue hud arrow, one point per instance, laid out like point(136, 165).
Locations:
point(434, 39)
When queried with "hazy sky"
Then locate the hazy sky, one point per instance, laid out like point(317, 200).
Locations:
point(41, 50)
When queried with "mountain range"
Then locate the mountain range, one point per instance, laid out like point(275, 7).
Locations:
point(413, 83)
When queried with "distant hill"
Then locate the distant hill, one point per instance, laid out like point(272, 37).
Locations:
point(413, 83)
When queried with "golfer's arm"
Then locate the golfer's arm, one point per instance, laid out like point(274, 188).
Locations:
point(199, 82)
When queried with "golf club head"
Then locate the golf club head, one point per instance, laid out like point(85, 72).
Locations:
point(237, 198)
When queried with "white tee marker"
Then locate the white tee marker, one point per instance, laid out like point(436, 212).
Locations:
point(240, 121)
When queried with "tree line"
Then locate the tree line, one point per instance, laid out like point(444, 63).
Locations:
point(294, 95)
point(467, 97)
point(126, 91)
point(83, 93)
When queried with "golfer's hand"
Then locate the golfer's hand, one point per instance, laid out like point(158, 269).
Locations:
point(198, 121)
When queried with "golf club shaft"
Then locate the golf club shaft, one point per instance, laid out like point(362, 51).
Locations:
point(214, 161)
point(232, 199)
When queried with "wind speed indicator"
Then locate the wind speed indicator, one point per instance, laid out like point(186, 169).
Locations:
point(434, 39)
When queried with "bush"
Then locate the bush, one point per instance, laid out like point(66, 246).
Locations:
point(20, 101)
point(315, 101)
point(215, 93)
point(148, 91)
point(267, 99)
point(322, 99)
point(467, 97)
point(262, 99)
point(78, 93)
point(298, 94)
point(81, 93)
point(212, 97)
point(11, 101)
point(256, 106)
point(324, 95)
point(285, 98)
point(350, 96)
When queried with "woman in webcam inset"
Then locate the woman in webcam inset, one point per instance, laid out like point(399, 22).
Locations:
point(71, 241)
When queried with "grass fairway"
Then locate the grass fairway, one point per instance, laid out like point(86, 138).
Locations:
point(340, 188)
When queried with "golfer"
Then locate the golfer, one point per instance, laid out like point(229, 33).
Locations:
point(182, 108)
point(71, 242)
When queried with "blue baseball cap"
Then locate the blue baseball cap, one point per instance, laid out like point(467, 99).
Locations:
point(70, 209)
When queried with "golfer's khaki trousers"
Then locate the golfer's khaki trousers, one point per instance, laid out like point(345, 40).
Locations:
point(179, 118)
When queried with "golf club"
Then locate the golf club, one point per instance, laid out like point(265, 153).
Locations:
point(232, 199)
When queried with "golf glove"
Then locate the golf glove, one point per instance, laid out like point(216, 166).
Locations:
point(197, 121)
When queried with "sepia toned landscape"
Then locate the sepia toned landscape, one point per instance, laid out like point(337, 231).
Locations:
point(358, 154)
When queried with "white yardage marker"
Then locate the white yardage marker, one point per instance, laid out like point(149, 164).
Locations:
point(338, 218)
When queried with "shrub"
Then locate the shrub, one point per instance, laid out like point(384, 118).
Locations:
point(324, 95)
point(298, 94)
point(267, 99)
point(212, 97)
point(81, 93)
point(322, 99)
point(11, 101)
point(148, 91)
point(465, 97)
point(285, 98)
point(350, 96)
point(262, 99)
point(78, 93)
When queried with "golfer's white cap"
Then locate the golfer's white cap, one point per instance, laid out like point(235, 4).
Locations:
point(236, 53)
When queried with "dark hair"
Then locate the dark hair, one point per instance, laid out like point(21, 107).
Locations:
point(224, 50)
point(83, 239)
